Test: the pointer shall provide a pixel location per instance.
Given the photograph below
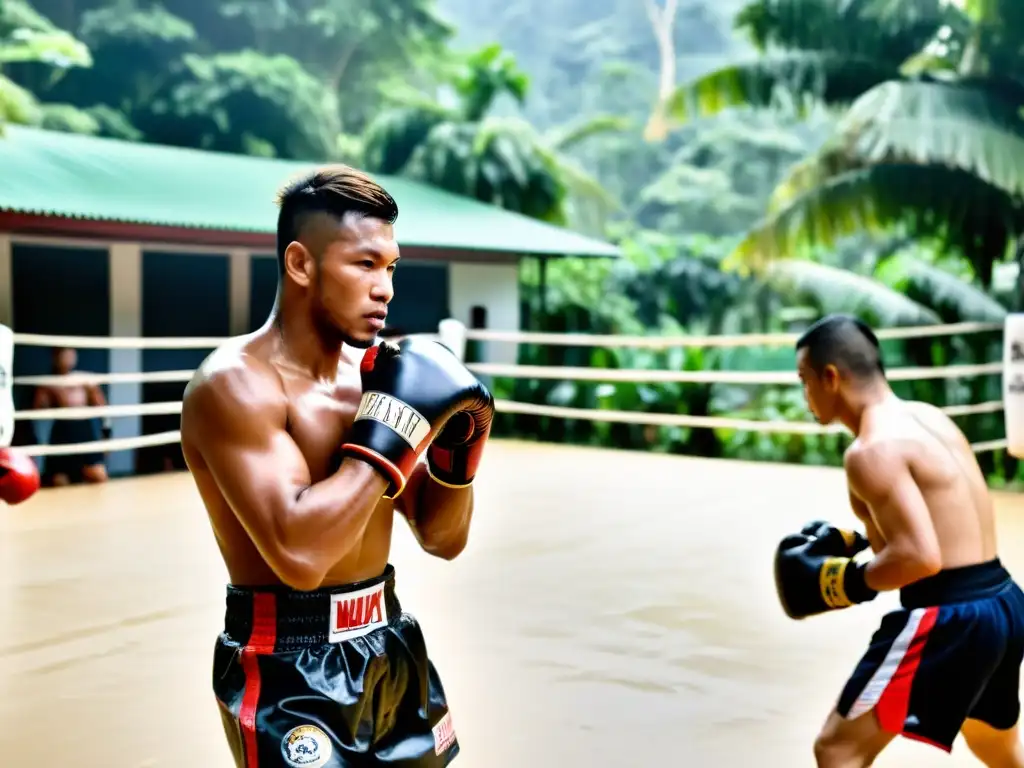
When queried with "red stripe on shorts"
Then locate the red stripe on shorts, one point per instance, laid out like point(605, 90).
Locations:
point(261, 642)
point(894, 703)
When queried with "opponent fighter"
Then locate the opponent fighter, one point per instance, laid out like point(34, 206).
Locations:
point(66, 469)
point(949, 661)
point(304, 439)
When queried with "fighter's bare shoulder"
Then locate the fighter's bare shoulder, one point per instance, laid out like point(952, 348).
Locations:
point(234, 383)
point(873, 464)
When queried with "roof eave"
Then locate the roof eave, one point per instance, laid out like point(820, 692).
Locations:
point(106, 230)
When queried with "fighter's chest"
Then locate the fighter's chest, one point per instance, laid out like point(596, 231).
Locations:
point(70, 397)
point(318, 420)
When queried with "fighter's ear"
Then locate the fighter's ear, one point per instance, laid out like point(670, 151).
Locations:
point(299, 263)
point(830, 377)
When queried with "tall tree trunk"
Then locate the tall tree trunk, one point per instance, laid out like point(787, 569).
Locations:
point(663, 24)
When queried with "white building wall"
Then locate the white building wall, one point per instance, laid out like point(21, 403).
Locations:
point(494, 286)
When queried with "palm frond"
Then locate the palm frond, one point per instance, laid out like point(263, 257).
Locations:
point(965, 127)
point(810, 173)
point(837, 290)
point(869, 28)
point(803, 77)
point(954, 209)
point(954, 298)
point(578, 183)
point(565, 137)
point(973, 128)
point(392, 137)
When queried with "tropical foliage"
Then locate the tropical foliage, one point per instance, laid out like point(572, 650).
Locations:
point(930, 141)
point(760, 162)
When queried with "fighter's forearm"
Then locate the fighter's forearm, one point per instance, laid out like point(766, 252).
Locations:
point(442, 518)
point(895, 567)
point(328, 519)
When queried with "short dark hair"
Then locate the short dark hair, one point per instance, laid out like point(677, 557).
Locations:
point(333, 190)
point(845, 342)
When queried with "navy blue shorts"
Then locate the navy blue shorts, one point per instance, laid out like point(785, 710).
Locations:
point(953, 652)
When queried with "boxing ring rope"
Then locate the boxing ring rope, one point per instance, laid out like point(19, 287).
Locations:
point(563, 373)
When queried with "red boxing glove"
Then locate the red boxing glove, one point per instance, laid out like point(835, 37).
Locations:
point(19, 476)
point(454, 455)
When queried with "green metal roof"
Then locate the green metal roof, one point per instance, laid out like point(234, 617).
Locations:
point(83, 177)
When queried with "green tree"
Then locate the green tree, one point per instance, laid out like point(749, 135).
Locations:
point(261, 77)
point(931, 141)
point(28, 37)
point(460, 146)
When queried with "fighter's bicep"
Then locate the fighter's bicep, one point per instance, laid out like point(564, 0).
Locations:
point(244, 443)
point(899, 512)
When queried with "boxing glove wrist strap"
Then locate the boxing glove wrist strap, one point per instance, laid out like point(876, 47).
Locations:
point(389, 434)
point(395, 477)
point(842, 583)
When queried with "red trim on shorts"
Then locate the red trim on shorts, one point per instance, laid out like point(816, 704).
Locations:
point(894, 703)
point(261, 642)
point(926, 740)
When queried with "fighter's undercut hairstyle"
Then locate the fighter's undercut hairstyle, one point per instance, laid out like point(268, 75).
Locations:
point(334, 190)
point(845, 342)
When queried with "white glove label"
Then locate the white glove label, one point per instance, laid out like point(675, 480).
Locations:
point(392, 412)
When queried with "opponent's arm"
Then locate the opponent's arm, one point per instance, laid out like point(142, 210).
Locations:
point(41, 399)
point(94, 395)
point(95, 398)
point(881, 478)
point(236, 421)
point(439, 515)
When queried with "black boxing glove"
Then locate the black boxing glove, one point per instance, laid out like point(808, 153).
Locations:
point(812, 577)
point(410, 391)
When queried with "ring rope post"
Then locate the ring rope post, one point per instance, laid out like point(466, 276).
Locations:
point(1013, 384)
point(452, 334)
point(6, 386)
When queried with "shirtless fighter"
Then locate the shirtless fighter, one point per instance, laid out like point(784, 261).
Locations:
point(71, 468)
point(949, 661)
point(304, 438)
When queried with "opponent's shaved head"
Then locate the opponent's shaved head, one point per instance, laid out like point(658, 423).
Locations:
point(845, 342)
point(315, 204)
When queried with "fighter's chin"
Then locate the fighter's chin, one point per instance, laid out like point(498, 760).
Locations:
point(359, 342)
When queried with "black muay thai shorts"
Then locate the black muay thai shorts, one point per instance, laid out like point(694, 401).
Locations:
point(330, 678)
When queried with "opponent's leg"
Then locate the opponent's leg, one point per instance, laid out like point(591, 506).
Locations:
point(852, 743)
point(991, 732)
point(994, 747)
point(95, 473)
